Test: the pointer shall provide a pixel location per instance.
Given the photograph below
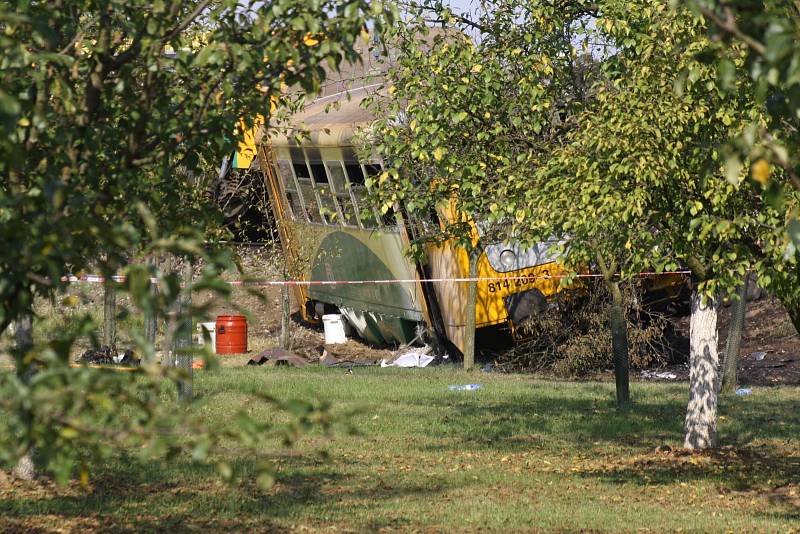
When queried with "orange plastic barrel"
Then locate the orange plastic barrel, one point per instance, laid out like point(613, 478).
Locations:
point(231, 334)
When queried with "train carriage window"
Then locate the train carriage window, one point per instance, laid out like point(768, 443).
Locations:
point(315, 164)
point(310, 200)
point(342, 190)
point(284, 171)
point(337, 177)
point(389, 218)
point(351, 164)
point(299, 164)
point(328, 204)
point(373, 169)
point(318, 172)
point(306, 185)
point(354, 172)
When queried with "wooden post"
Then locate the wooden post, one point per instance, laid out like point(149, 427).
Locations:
point(169, 319)
point(110, 315)
point(472, 293)
point(285, 339)
point(151, 318)
point(183, 346)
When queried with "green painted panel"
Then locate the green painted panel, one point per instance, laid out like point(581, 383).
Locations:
point(345, 255)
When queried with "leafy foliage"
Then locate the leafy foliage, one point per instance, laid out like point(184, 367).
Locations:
point(114, 116)
point(465, 117)
point(767, 33)
point(621, 147)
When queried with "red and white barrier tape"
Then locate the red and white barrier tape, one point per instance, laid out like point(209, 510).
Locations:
point(97, 279)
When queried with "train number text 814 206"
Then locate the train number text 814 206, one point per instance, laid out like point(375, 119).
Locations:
point(514, 283)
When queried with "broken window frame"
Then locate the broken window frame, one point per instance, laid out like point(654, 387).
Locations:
point(309, 217)
point(328, 157)
point(346, 194)
point(380, 217)
point(297, 191)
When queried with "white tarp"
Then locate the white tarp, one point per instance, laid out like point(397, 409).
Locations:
point(409, 359)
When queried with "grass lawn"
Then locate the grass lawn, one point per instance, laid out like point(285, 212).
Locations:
point(520, 454)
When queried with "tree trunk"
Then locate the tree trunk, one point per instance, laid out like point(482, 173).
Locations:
point(110, 315)
point(183, 346)
point(285, 339)
point(792, 307)
point(701, 413)
point(171, 317)
point(472, 292)
point(23, 338)
point(734, 342)
point(619, 345)
point(151, 317)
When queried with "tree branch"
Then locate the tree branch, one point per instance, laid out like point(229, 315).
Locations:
point(186, 21)
point(728, 25)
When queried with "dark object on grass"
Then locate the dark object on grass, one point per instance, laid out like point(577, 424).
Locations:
point(329, 360)
point(108, 356)
point(278, 356)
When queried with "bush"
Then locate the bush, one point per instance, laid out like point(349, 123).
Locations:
point(572, 338)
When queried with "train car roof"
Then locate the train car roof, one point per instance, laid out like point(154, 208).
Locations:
point(334, 117)
point(330, 120)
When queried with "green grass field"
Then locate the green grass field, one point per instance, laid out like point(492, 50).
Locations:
point(520, 454)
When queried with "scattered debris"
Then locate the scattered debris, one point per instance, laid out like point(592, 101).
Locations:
point(108, 356)
point(744, 391)
point(464, 387)
point(658, 375)
point(758, 356)
point(278, 356)
point(415, 358)
point(329, 360)
point(662, 449)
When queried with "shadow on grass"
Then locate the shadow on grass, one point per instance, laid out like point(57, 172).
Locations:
point(593, 427)
point(579, 422)
point(185, 497)
point(748, 470)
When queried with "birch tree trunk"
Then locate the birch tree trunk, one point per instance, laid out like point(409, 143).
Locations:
point(734, 342)
point(701, 414)
point(472, 292)
point(23, 339)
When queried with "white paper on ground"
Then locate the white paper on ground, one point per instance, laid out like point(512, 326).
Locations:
point(409, 359)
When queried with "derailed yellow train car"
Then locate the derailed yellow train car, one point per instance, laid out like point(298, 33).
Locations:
point(331, 234)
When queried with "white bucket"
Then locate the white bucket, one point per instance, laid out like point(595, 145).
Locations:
point(212, 331)
point(334, 329)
